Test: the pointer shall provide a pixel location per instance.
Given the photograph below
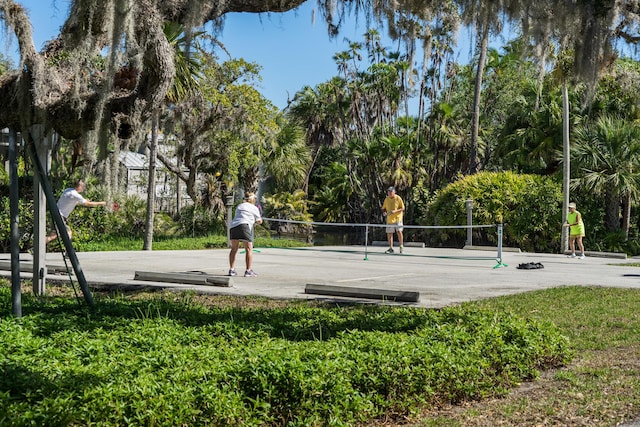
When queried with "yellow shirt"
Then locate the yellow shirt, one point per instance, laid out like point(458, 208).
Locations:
point(575, 230)
point(391, 204)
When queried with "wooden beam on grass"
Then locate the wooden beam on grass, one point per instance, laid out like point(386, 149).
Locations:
point(353, 292)
point(191, 278)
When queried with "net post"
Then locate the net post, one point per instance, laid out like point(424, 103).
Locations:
point(366, 241)
point(499, 258)
point(469, 206)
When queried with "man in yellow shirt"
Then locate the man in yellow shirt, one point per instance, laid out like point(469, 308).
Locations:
point(393, 209)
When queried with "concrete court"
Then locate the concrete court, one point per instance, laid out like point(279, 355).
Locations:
point(438, 275)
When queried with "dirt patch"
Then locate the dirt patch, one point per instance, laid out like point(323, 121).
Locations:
point(600, 388)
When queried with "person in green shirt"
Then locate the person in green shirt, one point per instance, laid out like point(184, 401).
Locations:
point(576, 230)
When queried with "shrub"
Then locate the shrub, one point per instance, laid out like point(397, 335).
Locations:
point(200, 221)
point(25, 224)
point(529, 207)
point(168, 361)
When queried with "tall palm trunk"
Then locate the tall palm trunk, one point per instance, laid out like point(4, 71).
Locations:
point(626, 214)
point(612, 218)
point(475, 123)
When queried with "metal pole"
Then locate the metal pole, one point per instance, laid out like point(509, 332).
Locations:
point(366, 241)
point(499, 259)
point(500, 242)
point(62, 229)
point(469, 205)
point(566, 169)
point(14, 200)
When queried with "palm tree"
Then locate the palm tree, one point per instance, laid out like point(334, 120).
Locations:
point(486, 16)
point(607, 154)
point(315, 110)
point(287, 158)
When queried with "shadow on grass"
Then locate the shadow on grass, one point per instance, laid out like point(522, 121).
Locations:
point(295, 321)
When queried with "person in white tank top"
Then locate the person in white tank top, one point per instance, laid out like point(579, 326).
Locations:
point(69, 199)
point(241, 230)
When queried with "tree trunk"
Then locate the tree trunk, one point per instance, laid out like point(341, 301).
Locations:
point(178, 190)
point(475, 123)
point(566, 170)
point(151, 189)
point(612, 215)
point(626, 214)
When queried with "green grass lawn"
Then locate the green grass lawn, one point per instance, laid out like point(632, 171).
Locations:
point(177, 243)
point(601, 385)
point(563, 356)
point(183, 359)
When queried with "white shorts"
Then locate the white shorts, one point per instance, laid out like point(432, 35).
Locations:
point(392, 228)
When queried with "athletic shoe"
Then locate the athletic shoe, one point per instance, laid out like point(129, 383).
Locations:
point(572, 256)
point(389, 251)
point(401, 249)
point(581, 256)
point(250, 273)
point(232, 272)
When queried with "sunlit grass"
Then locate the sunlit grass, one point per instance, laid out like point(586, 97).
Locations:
point(186, 359)
point(179, 243)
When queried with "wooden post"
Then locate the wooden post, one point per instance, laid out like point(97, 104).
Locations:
point(43, 145)
point(14, 200)
point(229, 204)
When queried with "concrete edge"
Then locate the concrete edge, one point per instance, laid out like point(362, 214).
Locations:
point(350, 291)
point(406, 244)
point(188, 278)
point(491, 248)
point(616, 255)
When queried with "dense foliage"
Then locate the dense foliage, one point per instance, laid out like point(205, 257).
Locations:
point(527, 206)
point(338, 145)
point(172, 361)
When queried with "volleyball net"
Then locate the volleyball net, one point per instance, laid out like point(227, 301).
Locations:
point(371, 235)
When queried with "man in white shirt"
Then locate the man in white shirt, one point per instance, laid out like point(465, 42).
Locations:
point(69, 199)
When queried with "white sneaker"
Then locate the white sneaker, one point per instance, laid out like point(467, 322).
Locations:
point(572, 256)
point(581, 256)
point(401, 249)
point(389, 251)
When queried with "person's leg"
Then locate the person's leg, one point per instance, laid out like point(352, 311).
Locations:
point(232, 255)
point(51, 237)
point(390, 240)
point(400, 240)
point(580, 245)
point(572, 245)
point(248, 254)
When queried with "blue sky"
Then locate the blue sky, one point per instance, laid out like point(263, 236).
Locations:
point(292, 50)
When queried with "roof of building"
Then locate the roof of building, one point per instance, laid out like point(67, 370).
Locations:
point(133, 160)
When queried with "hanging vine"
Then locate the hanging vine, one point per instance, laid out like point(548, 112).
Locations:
point(111, 66)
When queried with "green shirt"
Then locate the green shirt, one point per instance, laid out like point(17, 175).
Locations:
point(575, 230)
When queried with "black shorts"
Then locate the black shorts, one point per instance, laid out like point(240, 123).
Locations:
point(241, 232)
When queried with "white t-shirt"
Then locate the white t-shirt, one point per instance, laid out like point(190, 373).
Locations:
point(246, 213)
point(69, 199)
